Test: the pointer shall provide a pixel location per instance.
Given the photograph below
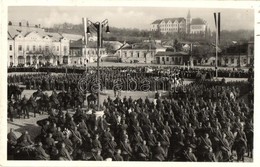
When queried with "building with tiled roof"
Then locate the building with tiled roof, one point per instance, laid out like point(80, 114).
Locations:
point(169, 25)
point(31, 45)
point(198, 26)
point(171, 58)
point(186, 25)
point(82, 54)
point(140, 52)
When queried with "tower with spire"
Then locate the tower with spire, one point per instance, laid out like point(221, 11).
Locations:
point(188, 21)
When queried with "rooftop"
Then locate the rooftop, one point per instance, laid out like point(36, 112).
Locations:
point(170, 53)
point(14, 30)
point(198, 21)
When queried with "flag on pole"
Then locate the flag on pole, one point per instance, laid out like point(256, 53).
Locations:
point(219, 27)
point(85, 24)
point(217, 24)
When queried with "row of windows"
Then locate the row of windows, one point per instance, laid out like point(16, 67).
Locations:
point(138, 54)
point(232, 61)
point(93, 52)
point(167, 25)
point(40, 48)
point(170, 29)
point(174, 59)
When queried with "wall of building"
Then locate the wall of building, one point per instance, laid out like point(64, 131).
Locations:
point(169, 60)
point(35, 49)
point(137, 56)
point(233, 60)
point(197, 29)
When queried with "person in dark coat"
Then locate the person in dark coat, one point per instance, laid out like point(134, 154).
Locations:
point(40, 152)
point(158, 153)
point(118, 156)
point(63, 153)
point(12, 138)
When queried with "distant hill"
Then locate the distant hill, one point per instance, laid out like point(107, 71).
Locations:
point(136, 35)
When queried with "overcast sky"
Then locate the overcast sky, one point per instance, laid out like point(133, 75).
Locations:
point(129, 17)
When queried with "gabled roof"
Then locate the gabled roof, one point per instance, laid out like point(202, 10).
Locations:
point(143, 45)
point(16, 30)
point(72, 37)
point(54, 36)
point(13, 31)
point(169, 53)
point(157, 22)
point(179, 19)
point(198, 21)
point(80, 44)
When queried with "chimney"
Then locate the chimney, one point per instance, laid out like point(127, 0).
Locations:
point(20, 24)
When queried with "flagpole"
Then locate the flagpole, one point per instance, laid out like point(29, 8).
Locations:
point(216, 62)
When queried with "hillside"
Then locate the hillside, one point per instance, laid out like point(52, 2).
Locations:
point(137, 35)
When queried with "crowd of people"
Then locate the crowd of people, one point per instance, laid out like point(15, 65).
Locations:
point(203, 121)
point(185, 71)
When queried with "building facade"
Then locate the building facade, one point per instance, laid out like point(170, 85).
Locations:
point(239, 55)
point(32, 46)
point(81, 54)
point(198, 26)
point(140, 52)
point(171, 58)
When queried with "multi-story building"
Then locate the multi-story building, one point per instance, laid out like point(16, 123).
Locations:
point(31, 45)
point(169, 25)
point(198, 26)
point(82, 54)
point(140, 52)
point(180, 25)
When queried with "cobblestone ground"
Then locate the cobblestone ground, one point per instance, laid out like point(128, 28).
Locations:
point(20, 125)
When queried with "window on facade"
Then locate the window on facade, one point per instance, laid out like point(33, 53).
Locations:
point(245, 61)
point(58, 48)
point(167, 58)
point(125, 54)
point(10, 47)
point(132, 54)
point(11, 59)
point(232, 60)
point(162, 58)
point(226, 60)
point(40, 48)
point(27, 48)
point(172, 58)
point(20, 48)
point(65, 49)
point(138, 54)
point(34, 47)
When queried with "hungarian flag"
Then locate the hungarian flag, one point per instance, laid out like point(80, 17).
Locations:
point(217, 24)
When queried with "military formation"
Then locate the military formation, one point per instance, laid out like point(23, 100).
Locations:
point(202, 121)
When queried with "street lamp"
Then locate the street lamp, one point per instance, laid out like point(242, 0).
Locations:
point(98, 28)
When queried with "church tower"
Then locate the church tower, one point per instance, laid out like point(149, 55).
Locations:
point(188, 21)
